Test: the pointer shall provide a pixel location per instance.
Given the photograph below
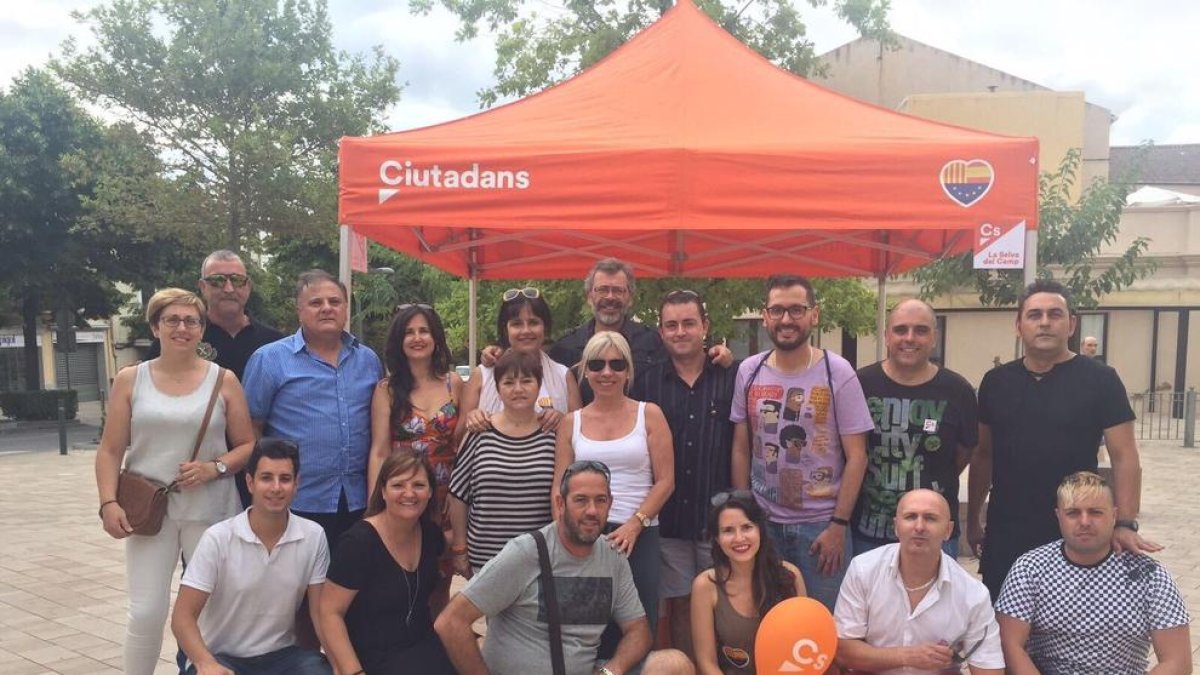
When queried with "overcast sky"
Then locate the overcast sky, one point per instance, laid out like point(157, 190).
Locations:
point(1138, 62)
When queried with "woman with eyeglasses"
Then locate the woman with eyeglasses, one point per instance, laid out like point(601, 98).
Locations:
point(156, 409)
point(522, 324)
point(633, 439)
point(746, 580)
point(503, 473)
point(377, 605)
point(416, 407)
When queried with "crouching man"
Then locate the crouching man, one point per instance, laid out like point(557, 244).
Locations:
point(236, 610)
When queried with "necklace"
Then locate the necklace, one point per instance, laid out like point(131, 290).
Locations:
point(411, 593)
point(922, 587)
point(812, 353)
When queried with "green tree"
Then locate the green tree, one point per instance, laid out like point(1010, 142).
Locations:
point(1070, 236)
point(245, 101)
point(535, 49)
point(53, 255)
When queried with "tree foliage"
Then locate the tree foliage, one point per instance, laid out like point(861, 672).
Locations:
point(1071, 234)
point(245, 101)
point(539, 45)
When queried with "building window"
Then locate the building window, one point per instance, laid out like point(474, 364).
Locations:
point(939, 350)
point(1095, 325)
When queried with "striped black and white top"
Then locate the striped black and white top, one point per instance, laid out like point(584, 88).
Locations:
point(505, 483)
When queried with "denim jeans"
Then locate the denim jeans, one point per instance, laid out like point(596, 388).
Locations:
point(862, 545)
point(793, 542)
point(287, 661)
point(645, 562)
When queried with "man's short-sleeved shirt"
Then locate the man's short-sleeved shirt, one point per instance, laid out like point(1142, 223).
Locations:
point(1044, 429)
point(918, 432)
point(797, 421)
point(1090, 619)
point(231, 351)
point(325, 409)
point(702, 435)
point(644, 342)
point(253, 595)
point(873, 606)
point(591, 591)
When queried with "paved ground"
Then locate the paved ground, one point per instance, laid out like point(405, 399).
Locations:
point(62, 580)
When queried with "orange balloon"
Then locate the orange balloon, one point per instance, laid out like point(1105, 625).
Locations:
point(797, 636)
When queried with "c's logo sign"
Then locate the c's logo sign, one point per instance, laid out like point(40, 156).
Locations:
point(797, 636)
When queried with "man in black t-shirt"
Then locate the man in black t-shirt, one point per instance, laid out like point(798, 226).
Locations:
point(925, 427)
point(1041, 418)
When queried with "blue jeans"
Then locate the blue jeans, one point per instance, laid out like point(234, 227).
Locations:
point(793, 542)
point(645, 562)
point(287, 661)
point(862, 545)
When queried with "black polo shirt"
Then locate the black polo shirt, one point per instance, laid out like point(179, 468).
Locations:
point(702, 435)
point(232, 351)
point(644, 342)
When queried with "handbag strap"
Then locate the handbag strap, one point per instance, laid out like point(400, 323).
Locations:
point(212, 402)
point(552, 609)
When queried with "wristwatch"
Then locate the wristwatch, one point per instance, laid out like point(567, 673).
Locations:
point(222, 470)
point(1128, 524)
point(603, 670)
point(642, 518)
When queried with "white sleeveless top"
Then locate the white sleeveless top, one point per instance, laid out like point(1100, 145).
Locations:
point(162, 433)
point(553, 393)
point(628, 458)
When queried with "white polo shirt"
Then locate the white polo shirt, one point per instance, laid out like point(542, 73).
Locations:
point(873, 606)
point(253, 595)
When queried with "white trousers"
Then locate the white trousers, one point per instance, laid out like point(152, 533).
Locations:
point(150, 563)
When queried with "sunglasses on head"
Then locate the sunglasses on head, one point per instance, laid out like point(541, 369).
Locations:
point(218, 280)
point(408, 305)
point(513, 293)
point(586, 465)
point(616, 365)
point(721, 498)
point(681, 294)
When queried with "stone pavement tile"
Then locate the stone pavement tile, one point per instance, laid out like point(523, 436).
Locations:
point(47, 653)
point(83, 643)
point(26, 667)
point(79, 665)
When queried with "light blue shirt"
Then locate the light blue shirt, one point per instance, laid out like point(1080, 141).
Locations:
point(326, 410)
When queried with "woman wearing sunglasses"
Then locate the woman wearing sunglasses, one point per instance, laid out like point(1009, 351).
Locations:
point(415, 408)
point(633, 439)
point(747, 579)
point(522, 324)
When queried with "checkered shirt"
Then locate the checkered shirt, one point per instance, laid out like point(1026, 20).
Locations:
point(1087, 620)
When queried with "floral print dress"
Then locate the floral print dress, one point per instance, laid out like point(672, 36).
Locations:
point(433, 439)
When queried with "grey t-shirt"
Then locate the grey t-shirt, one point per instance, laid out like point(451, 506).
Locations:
point(591, 591)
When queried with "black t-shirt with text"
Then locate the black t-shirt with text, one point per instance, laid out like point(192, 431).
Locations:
point(918, 431)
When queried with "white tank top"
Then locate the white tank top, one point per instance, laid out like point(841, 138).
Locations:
point(628, 458)
point(162, 433)
point(553, 393)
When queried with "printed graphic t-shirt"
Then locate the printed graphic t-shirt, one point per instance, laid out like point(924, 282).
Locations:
point(918, 431)
point(796, 420)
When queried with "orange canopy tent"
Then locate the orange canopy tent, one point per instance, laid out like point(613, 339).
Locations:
point(685, 153)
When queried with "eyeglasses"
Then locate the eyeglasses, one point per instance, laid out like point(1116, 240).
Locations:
point(616, 365)
point(513, 293)
point(218, 280)
point(961, 657)
point(721, 498)
point(174, 321)
point(585, 465)
point(610, 290)
point(410, 305)
point(795, 311)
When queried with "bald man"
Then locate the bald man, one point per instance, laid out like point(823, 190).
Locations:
point(925, 427)
point(910, 608)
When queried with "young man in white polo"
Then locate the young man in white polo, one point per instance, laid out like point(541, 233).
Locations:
point(236, 610)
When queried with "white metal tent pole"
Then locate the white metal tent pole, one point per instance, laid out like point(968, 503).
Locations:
point(472, 316)
point(344, 234)
point(880, 316)
point(1031, 259)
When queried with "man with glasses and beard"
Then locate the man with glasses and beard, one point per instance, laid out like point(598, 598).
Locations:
point(805, 465)
point(592, 582)
point(910, 608)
